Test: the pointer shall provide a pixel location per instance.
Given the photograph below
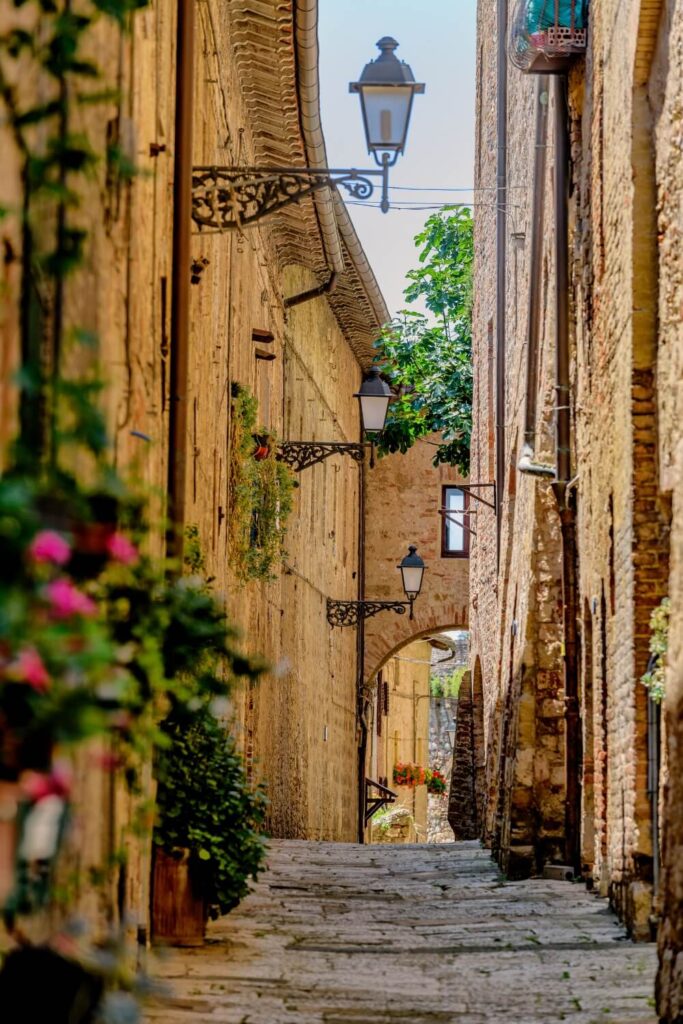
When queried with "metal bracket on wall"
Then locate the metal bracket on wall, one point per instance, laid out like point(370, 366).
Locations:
point(450, 514)
point(375, 802)
point(471, 490)
point(225, 198)
point(350, 613)
point(300, 455)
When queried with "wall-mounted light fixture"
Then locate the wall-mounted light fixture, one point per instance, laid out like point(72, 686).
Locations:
point(349, 613)
point(234, 197)
point(373, 396)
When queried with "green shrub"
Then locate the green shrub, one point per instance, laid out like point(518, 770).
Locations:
point(205, 804)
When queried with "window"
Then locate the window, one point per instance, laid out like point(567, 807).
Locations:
point(455, 538)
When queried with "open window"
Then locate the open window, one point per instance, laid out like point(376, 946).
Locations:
point(455, 537)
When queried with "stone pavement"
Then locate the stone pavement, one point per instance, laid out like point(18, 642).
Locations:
point(343, 934)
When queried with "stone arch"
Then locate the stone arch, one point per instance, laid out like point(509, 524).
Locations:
point(379, 653)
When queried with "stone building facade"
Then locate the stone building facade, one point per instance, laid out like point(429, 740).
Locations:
point(254, 103)
point(399, 730)
point(585, 454)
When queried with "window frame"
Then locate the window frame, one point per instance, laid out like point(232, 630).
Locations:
point(465, 551)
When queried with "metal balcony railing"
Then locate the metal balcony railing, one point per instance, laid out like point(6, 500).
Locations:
point(547, 34)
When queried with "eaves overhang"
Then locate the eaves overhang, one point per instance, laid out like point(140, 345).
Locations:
point(276, 56)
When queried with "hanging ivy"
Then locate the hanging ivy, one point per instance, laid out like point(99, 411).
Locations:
point(655, 676)
point(260, 493)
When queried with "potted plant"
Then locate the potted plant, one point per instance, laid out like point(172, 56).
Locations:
point(208, 839)
point(407, 773)
point(436, 782)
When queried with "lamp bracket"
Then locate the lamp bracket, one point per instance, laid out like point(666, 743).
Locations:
point(350, 613)
point(471, 489)
point(225, 198)
point(300, 455)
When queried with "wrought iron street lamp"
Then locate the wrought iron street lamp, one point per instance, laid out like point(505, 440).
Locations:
point(373, 396)
point(386, 88)
point(349, 613)
point(224, 198)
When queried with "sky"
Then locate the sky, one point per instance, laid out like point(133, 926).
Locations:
point(437, 39)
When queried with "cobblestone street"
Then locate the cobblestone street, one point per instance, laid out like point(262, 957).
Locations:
point(346, 934)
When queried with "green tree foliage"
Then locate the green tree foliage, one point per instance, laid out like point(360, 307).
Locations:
point(428, 358)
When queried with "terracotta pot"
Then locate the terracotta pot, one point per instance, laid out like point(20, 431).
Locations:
point(9, 799)
point(178, 908)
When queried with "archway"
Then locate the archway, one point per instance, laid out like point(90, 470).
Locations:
point(410, 702)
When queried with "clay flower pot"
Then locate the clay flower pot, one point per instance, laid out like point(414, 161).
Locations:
point(263, 447)
point(178, 906)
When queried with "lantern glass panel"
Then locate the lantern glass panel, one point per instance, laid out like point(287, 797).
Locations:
point(386, 110)
point(412, 580)
point(373, 409)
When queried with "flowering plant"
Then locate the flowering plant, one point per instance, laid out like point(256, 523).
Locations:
point(406, 773)
point(436, 782)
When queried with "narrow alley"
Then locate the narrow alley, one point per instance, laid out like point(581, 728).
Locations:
point(337, 933)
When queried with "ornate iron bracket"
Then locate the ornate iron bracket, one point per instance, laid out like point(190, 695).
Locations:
point(301, 454)
point(224, 198)
point(349, 613)
point(375, 802)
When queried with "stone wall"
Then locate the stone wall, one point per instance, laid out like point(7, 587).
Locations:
point(298, 725)
point(624, 265)
point(404, 495)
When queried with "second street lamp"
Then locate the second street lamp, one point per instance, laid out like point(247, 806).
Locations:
point(373, 396)
point(350, 613)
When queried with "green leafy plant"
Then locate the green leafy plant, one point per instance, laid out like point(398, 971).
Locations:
point(436, 782)
point(206, 805)
point(428, 359)
point(447, 686)
point(655, 677)
point(260, 493)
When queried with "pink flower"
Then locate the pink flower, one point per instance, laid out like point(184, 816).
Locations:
point(48, 546)
point(68, 600)
point(28, 668)
point(37, 785)
point(122, 550)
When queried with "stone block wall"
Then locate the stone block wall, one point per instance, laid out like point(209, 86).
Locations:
point(403, 498)
point(625, 341)
point(298, 725)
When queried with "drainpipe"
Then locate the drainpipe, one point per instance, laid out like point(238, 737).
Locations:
point(565, 494)
point(501, 261)
point(180, 280)
point(526, 462)
point(360, 658)
point(313, 293)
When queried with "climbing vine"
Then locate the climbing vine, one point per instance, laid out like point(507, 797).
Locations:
point(260, 493)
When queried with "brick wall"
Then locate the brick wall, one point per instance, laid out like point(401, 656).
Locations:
point(625, 340)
